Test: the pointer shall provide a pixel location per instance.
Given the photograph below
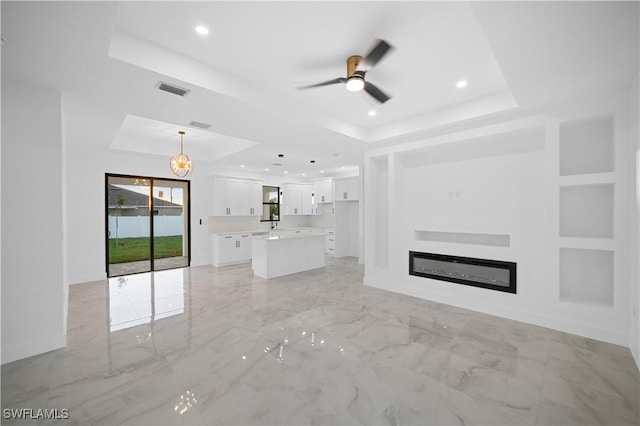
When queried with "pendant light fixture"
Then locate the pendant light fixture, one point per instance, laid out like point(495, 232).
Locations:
point(180, 163)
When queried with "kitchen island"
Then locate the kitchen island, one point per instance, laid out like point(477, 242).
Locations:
point(277, 255)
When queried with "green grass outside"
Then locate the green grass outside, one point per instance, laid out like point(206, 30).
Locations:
point(134, 249)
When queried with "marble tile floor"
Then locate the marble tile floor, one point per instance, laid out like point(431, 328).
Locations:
point(117, 269)
point(217, 346)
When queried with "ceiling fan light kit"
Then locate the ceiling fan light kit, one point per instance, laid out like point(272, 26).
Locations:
point(355, 83)
point(355, 79)
point(357, 67)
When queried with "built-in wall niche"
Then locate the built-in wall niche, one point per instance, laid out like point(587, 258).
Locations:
point(498, 240)
point(586, 276)
point(586, 146)
point(379, 202)
point(586, 211)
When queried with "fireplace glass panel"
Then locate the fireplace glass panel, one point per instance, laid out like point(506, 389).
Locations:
point(491, 274)
point(479, 273)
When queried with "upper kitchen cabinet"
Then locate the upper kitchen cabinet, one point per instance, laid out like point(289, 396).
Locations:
point(291, 199)
point(346, 189)
point(251, 198)
point(308, 199)
point(324, 191)
point(297, 199)
point(236, 197)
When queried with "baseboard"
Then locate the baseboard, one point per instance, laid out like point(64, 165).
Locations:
point(559, 324)
point(25, 349)
point(235, 262)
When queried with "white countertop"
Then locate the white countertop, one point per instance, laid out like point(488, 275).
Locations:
point(267, 232)
point(290, 236)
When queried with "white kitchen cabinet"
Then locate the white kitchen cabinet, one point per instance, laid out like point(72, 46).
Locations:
point(291, 199)
point(230, 249)
point(346, 189)
point(330, 242)
point(226, 197)
point(324, 191)
point(251, 198)
point(236, 197)
point(347, 229)
point(298, 199)
point(308, 199)
point(287, 254)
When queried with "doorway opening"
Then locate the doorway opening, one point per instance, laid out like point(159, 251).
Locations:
point(147, 224)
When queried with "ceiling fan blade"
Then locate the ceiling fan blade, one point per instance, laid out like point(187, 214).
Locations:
point(374, 56)
point(376, 93)
point(325, 83)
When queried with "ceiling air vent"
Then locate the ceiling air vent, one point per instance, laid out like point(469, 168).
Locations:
point(199, 124)
point(172, 89)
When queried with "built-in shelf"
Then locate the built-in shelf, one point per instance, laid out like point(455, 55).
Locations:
point(588, 243)
point(586, 146)
point(586, 276)
point(587, 179)
point(586, 211)
point(499, 240)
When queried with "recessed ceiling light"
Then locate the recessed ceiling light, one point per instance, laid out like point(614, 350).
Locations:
point(304, 174)
point(286, 171)
point(266, 170)
point(372, 113)
point(461, 84)
point(242, 165)
point(343, 167)
point(202, 30)
point(321, 171)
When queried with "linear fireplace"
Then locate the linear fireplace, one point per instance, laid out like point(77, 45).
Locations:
point(485, 273)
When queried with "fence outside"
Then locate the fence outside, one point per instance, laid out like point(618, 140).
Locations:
point(138, 226)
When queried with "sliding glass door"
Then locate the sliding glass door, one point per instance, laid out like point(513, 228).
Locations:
point(147, 224)
point(170, 224)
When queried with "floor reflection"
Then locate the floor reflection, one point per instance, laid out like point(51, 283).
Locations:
point(144, 298)
point(118, 269)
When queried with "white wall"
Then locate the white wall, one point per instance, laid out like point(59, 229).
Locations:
point(33, 287)
point(85, 206)
point(500, 178)
point(634, 157)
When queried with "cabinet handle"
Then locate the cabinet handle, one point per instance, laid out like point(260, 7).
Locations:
point(228, 236)
point(323, 198)
point(344, 195)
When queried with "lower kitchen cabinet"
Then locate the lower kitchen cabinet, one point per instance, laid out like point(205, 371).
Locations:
point(330, 242)
point(230, 249)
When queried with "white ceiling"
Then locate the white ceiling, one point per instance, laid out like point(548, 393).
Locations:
point(108, 57)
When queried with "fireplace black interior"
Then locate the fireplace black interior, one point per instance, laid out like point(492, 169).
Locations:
point(485, 273)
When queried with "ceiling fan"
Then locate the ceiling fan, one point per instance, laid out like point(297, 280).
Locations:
point(357, 67)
